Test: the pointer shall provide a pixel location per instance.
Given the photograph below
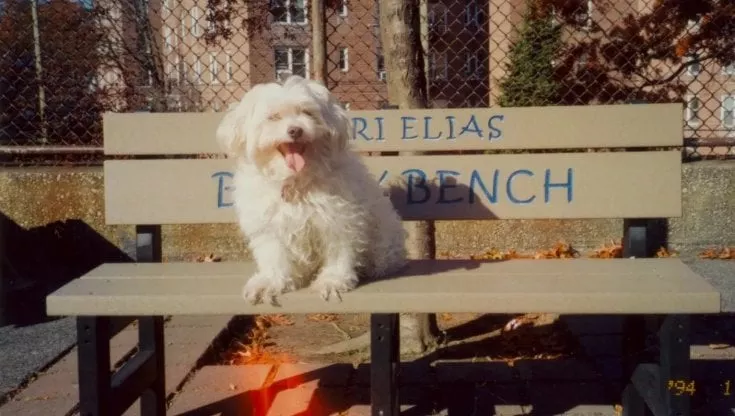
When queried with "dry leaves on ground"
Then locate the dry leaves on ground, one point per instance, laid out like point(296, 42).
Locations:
point(209, 258)
point(560, 250)
point(609, 251)
point(663, 252)
point(255, 352)
point(277, 319)
point(322, 317)
point(725, 253)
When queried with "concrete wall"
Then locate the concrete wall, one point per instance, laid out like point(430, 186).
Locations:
point(67, 200)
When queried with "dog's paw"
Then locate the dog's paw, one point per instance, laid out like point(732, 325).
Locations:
point(261, 287)
point(331, 285)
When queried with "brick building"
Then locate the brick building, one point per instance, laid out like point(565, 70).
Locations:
point(468, 44)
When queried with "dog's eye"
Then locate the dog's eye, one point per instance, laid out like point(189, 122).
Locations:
point(274, 117)
point(308, 113)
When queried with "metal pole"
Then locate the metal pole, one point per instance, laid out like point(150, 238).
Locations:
point(39, 71)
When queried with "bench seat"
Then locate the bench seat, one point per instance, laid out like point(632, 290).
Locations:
point(572, 286)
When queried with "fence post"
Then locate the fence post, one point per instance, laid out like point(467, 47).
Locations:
point(2, 270)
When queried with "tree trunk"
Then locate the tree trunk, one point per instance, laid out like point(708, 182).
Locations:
point(319, 40)
point(401, 36)
point(404, 63)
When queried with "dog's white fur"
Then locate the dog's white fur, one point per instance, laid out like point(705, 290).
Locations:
point(329, 224)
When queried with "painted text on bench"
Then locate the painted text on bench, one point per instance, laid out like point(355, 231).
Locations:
point(518, 187)
point(429, 127)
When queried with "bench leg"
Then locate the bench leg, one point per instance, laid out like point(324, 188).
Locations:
point(93, 352)
point(662, 385)
point(104, 393)
point(633, 353)
point(674, 360)
point(384, 361)
point(153, 400)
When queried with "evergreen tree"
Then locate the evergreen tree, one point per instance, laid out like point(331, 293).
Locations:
point(529, 79)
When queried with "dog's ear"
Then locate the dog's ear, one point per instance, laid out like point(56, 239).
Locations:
point(336, 116)
point(231, 131)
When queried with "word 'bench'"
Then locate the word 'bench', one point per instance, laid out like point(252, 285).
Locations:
point(636, 177)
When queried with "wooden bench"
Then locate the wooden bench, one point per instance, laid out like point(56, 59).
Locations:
point(637, 177)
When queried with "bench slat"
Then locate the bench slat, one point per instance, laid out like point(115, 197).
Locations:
point(553, 127)
point(579, 286)
point(526, 186)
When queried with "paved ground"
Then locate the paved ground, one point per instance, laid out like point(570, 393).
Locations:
point(28, 349)
point(461, 389)
point(55, 391)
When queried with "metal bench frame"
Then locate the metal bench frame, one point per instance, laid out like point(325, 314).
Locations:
point(102, 393)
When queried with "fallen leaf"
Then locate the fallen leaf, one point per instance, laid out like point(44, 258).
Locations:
point(726, 253)
point(209, 258)
point(322, 317)
point(663, 252)
point(279, 319)
point(446, 317)
point(719, 346)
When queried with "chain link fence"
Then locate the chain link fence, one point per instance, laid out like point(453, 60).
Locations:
point(63, 63)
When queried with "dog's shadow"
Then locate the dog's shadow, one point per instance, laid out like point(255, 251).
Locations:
point(428, 201)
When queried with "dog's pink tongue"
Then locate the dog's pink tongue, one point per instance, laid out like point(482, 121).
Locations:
point(292, 153)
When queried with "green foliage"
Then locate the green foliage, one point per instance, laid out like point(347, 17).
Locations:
point(530, 79)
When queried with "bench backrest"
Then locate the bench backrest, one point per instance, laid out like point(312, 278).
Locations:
point(606, 161)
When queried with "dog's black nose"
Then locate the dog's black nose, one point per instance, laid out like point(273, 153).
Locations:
point(295, 132)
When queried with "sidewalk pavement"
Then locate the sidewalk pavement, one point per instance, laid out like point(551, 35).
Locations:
point(581, 386)
point(55, 391)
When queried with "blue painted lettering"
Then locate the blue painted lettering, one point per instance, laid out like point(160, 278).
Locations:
point(427, 122)
point(380, 128)
point(382, 177)
point(476, 180)
point(222, 188)
point(404, 119)
point(443, 186)
point(451, 119)
point(509, 190)
point(474, 129)
point(362, 128)
point(495, 132)
point(569, 184)
point(421, 185)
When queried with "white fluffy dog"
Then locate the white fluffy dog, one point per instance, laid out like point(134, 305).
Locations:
point(309, 208)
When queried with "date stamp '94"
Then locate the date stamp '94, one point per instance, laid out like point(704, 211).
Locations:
point(689, 387)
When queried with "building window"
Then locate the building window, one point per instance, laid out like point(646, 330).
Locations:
point(438, 19)
point(214, 68)
point(195, 21)
point(148, 78)
point(692, 113)
point(344, 62)
point(169, 38)
point(289, 11)
point(471, 65)
point(584, 14)
point(290, 61)
point(173, 71)
point(694, 67)
point(380, 65)
point(472, 13)
point(343, 9)
point(198, 71)
point(182, 27)
point(728, 111)
point(438, 66)
point(228, 66)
